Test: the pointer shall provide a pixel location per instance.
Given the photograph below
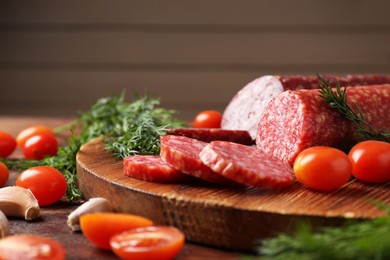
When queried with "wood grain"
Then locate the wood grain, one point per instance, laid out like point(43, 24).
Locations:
point(53, 53)
point(225, 217)
point(221, 12)
point(132, 47)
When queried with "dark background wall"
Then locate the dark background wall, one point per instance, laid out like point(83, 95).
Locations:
point(57, 57)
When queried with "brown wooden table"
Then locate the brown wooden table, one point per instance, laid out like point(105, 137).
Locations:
point(53, 218)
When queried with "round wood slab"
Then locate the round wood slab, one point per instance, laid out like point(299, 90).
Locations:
point(227, 217)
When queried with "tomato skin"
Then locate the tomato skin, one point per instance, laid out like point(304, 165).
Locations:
point(371, 161)
point(7, 144)
point(154, 242)
point(322, 168)
point(27, 247)
point(4, 174)
point(100, 227)
point(208, 119)
point(39, 146)
point(46, 183)
point(25, 134)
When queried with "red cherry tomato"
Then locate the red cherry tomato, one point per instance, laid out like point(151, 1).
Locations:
point(30, 247)
point(7, 144)
point(371, 161)
point(322, 168)
point(46, 183)
point(39, 146)
point(4, 174)
point(154, 242)
point(24, 135)
point(208, 119)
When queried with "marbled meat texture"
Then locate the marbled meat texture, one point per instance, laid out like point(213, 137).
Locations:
point(182, 153)
point(152, 168)
point(247, 165)
point(214, 134)
point(296, 120)
point(244, 110)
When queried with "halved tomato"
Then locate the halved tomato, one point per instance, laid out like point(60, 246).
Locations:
point(99, 228)
point(30, 247)
point(153, 242)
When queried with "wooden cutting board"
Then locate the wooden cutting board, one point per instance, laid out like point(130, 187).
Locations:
point(227, 217)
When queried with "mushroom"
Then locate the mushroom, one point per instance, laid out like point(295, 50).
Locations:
point(17, 201)
point(91, 206)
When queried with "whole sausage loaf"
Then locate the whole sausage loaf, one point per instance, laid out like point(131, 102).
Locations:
point(244, 110)
point(296, 120)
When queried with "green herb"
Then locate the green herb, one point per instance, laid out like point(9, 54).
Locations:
point(368, 239)
point(338, 101)
point(127, 128)
point(140, 129)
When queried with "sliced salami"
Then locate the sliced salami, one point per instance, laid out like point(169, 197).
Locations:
point(182, 153)
point(296, 120)
point(247, 165)
point(244, 110)
point(214, 134)
point(152, 168)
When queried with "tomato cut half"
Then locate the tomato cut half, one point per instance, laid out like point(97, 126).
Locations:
point(30, 247)
point(153, 242)
point(99, 228)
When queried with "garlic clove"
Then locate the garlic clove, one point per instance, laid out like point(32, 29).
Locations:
point(91, 206)
point(17, 201)
point(4, 225)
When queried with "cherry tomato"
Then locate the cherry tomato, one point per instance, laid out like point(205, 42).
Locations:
point(46, 183)
point(154, 242)
point(208, 119)
point(24, 135)
point(30, 247)
point(7, 144)
point(322, 168)
point(4, 174)
point(371, 161)
point(39, 146)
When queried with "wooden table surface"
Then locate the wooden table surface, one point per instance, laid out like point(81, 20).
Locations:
point(53, 218)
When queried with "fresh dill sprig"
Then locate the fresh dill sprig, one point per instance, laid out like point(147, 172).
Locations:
point(337, 100)
point(368, 239)
point(128, 128)
point(140, 129)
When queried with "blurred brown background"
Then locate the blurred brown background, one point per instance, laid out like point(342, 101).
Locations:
point(57, 57)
